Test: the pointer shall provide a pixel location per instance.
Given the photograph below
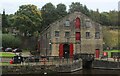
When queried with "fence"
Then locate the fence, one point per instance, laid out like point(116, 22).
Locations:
point(40, 60)
point(53, 63)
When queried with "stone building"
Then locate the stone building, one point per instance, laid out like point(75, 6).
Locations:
point(73, 34)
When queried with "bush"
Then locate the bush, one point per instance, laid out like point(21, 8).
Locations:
point(111, 38)
point(10, 41)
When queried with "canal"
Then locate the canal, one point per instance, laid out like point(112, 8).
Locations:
point(97, 71)
point(83, 72)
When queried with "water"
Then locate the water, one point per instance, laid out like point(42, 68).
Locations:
point(97, 71)
point(84, 72)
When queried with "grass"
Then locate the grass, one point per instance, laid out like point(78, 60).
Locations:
point(4, 63)
point(112, 50)
point(7, 54)
point(8, 64)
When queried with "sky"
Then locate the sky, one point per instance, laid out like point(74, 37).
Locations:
point(11, 6)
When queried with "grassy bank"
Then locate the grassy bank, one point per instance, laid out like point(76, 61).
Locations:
point(7, 54)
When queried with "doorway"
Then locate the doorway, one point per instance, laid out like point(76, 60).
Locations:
point(66, 48)
point(97, 53)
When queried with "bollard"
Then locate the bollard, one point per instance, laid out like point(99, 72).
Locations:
point(44, 61)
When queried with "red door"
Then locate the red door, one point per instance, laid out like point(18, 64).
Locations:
point(61, 50)
point(71, 50)
point(97, 53)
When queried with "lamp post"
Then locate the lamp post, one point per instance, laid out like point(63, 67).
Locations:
point(50, 46)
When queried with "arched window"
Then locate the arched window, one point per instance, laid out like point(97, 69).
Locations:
point(77, 23)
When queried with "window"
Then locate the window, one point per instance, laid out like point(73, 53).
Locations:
point(67, 34)
point(77, 35)
point(87, 35)
point(67, 23)
point(88, 24)
point(56, 33)
point(97, 35)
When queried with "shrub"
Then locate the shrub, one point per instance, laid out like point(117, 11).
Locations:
point(111, 38)
point(9, 40)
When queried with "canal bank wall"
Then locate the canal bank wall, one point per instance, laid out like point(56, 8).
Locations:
point(67, 68)
point(101, 64)
point(41, 69)
point(28, 69)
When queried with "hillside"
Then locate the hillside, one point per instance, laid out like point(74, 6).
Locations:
point(111, 37)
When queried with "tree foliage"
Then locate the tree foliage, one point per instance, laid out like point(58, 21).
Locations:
point(48, 14)
point(10, 41)
point(110, 38)
point(79, 8)
point(61, 10)
point(27, 19)
point(4, 20)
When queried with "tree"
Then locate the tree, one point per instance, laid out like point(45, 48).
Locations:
point(10, 20)
point(104, 20)
point(86, 10)
point(4, 22)
point(48, 14)
point(79, 8)
point(113, 16)
point(95, 15)
point(75, 7)
point(27, 19)
point(61, 10)
point(110, 38)
point(10, 41)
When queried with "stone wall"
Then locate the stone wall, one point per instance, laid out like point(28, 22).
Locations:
point(77, 65)
point(28, 69)
point(105, 64)
point(40, 69)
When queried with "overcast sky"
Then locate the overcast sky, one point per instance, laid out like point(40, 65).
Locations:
point(11, 6)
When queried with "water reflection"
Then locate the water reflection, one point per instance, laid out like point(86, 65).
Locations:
point(97, 71)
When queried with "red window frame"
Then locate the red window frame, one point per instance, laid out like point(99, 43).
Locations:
point(77, 23)
point(71, 50)
point(77, 35)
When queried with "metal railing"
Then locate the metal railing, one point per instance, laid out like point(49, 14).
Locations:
point(48, 60)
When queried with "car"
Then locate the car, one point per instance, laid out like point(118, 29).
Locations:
point(1, 49)
point(8, 50)
point(17, 50)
